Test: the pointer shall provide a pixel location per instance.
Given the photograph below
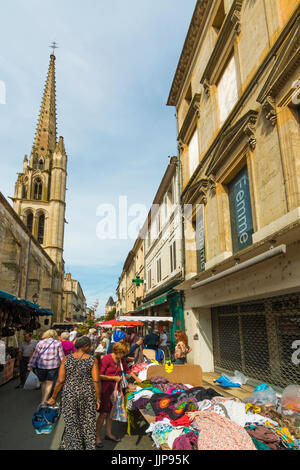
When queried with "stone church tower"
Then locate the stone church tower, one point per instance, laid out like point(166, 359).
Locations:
point(40, 189)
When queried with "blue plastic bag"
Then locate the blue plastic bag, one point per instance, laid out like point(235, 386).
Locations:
point(44, 419)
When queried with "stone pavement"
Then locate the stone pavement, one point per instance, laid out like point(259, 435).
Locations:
point(16, 431)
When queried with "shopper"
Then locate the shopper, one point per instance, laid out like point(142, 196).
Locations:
point(163, 342)
point(118, 337)
point(111, 369)
point(182, 348)
point(152, 339)
point(93, 337)
point(46, 359)
point(79, 377)
point(68, 346)
point(2, 358)
point(73, 334)
point(26, 350)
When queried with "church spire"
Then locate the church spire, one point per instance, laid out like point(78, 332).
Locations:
point(45, 137)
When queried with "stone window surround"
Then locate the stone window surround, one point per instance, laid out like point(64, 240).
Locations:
point(226, 43)
point(285, 64)
point(36, 215)
point(240, 144)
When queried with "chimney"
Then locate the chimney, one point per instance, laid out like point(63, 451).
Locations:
point(68, 276)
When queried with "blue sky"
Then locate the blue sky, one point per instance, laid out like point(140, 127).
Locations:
point(114, 70)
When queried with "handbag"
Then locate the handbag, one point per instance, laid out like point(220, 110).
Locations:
point(124, 378)
point(118, 412)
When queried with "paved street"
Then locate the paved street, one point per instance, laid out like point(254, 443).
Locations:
point(16, 431)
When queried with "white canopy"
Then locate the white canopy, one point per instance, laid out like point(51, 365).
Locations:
point(146, 319)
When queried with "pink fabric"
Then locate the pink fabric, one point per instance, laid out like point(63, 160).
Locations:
point(218, 433)
point(68, 347)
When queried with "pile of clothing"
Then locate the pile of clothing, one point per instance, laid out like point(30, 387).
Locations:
point(198, 418)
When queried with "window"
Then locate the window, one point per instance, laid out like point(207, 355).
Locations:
point(24, 191)
point(227, 90)
point(198, 225)
point(219, 18)
point(240, 211)
point(173, 256)
point(29, 221)
point(158, 223)
point(194, 152)
point(41, 164)
point(41, 228)
point(149, 279)
point(158, 264)
point(37, 192)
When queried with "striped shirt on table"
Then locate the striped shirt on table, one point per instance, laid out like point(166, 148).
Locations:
point(51, 358)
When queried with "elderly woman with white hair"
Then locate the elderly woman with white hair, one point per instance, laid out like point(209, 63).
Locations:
point(46, 360)
point(68, 346)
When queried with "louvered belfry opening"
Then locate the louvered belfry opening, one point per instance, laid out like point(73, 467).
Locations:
point(260, 339)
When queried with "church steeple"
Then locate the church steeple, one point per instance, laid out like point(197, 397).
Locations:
point(45, 136)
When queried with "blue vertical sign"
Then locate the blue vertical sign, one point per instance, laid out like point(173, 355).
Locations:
point(240, 211)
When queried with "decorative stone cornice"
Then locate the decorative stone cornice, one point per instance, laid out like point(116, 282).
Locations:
point(287, 61)
point(230, 29)
point(243, 130)
point(193, 112)
point(191, 42)
point(180, 146)
point(269, 108)
point(198, 192)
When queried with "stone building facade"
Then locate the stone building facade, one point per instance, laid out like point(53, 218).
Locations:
point(130, 294)
point(26, 270)
point(40, 190)
point(74, 302)
point(238, 142)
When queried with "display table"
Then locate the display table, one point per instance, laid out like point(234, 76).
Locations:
point(8, 371)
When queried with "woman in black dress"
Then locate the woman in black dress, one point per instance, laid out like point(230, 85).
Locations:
point(79, 377)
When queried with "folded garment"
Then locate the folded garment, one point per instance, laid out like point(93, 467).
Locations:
point(183, 421)
point(219, 433)
point(186, 442)
point(140, 404)
point(158, 380)
point(264, 435)
point(176, 405)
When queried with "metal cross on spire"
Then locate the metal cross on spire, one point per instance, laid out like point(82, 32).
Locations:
point(53, 46)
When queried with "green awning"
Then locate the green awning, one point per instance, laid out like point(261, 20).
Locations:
point(6, 296)
point(45, 311)
point(26, 303)
point(159, 300)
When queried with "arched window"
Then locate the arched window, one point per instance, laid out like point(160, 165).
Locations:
point(41, 164)
point(37, 192)
point(41, 228)
point(29, 221)
point(24, 191)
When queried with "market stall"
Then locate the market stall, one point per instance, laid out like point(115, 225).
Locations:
point(184, 415)
point(16, 315)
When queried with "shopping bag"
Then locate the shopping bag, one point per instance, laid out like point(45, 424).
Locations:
point(118, 412)
point(100, 349)
point(45, 418)
point(32, 382)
